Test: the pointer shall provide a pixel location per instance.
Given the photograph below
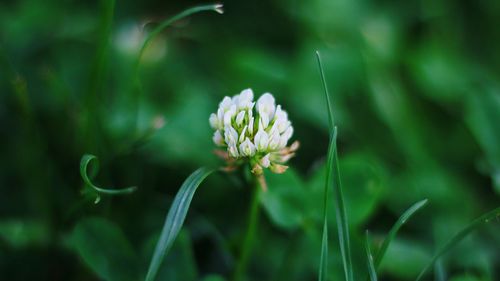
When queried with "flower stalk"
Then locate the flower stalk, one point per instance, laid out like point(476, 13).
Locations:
point(249, 239)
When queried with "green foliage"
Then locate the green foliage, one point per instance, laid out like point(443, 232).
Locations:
point(175, 219)
point(105, 249)
point(416, 96)
point(284, 201)
point(395, 228)
point(404, 259)
point(332, 170)
point(485, 218)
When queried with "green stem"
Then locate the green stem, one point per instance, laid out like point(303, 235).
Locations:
point(253, 219)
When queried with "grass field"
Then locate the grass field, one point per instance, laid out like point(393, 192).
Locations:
point(107, 170)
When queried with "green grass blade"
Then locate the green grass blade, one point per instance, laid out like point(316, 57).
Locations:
point(333, 168)
point(323, 263)
point(342, 223)
point(458, 237)
point(331, 120)
point(395, 228)
point(175, 219)
point(323, 266)
point(84, 163)
point(369, 257)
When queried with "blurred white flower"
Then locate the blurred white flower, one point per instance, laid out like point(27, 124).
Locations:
point(261, 137)
point(129, 39)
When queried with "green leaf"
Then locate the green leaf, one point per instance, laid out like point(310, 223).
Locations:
point(369, 257)
point(404, 259)
point(213, 278)
point(395, 228)
point(24, 233)
point(175, 219)
point(180, 263)
point(364, 176)
point(483, 115)
point(86, 159)
point(105, 249)
point(284, 200)
point(458, 237)
point(333, 168)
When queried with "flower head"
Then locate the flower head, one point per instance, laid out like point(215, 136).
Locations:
point(254, 131)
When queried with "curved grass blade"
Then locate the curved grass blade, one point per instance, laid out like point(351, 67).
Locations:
point(340, 211)
point(175, 219)
point(459, 236)
point(164, 24)
point(84, 163)
point(213, 7)
point(369, 257)
point(395, 228)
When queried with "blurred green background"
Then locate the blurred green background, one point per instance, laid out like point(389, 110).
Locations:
point(416, 93)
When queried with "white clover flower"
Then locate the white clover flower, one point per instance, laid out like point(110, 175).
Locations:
point(260, 137)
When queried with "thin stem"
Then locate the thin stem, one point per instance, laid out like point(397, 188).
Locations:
point(253, 218)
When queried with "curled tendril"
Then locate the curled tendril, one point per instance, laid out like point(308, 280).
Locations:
point(84, 163)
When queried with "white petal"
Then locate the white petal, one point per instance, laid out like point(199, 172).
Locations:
point(214, 121)
point(274, 141)
point(264, 120)
point(247, 94)
point(245, 99)
point(285, 137)
point(240, 117)
point(242, 135)
point(261, 140)
point(220, 115)
point(218, 139)
point(229, 115)
point(230, 135)
point(233, 151)
point(266, 106)
point(247, 148)
point(226, 103)
point(280, 113)
point(250, 126)
point(288, 133)
point(283, 125)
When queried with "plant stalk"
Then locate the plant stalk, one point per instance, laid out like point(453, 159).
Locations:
point(253, 219)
